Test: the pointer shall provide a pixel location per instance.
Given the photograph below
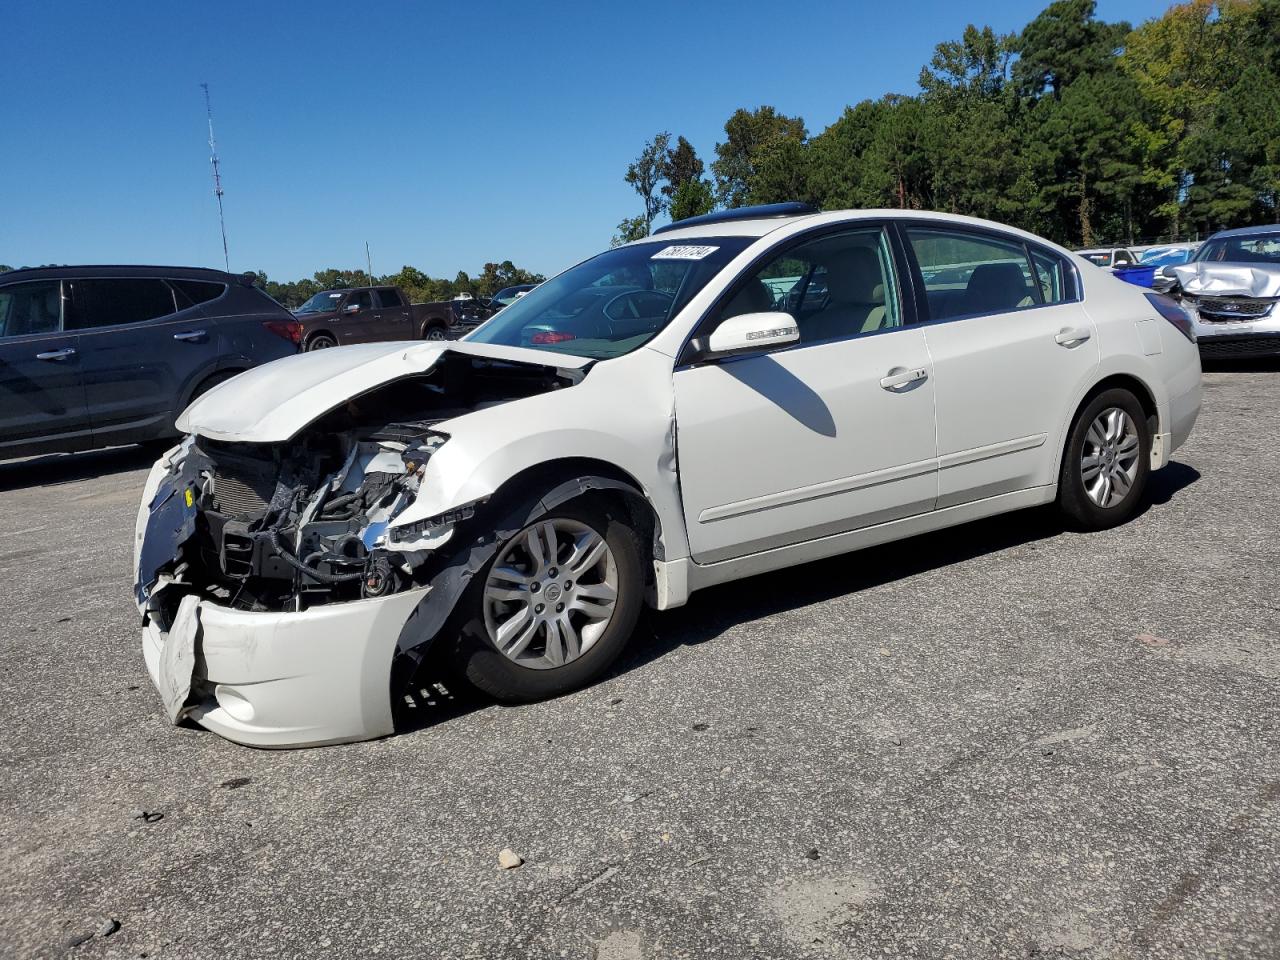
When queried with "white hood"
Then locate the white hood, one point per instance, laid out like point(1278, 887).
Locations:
point(272, 402)
point(1204, 278)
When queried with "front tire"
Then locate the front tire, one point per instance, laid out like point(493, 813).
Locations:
point(555, 606)
point(1106, 463)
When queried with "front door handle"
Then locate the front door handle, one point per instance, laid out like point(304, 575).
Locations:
point(1071, 338)
point(57, 354)
point(189, 335)
point(895, 380)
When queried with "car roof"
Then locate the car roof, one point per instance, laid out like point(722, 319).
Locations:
point(81, 271)
point(764, 226)
point(1248, 231)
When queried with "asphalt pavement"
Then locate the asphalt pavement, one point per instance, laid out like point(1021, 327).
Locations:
point(1004, 740)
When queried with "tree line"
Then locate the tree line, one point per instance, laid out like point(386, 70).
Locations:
point(417, 286)
point(1077, 129)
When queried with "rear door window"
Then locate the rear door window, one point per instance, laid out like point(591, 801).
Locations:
point(1052, 276)
point(27, 308)
point(110, 302)
point(971, 274)
point(389, 297)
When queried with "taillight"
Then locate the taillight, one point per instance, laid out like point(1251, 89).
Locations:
point(290, 330)
point(552, 336)
point(1175, 313)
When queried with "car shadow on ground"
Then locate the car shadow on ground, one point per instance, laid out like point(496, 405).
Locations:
point(715, 610)
point(58, 468)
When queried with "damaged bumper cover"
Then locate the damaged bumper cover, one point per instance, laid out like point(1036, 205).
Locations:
point(280, 679)
point(1234, 308)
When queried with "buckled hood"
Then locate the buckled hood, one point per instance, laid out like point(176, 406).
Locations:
point(273, 402)
point(1205, 278)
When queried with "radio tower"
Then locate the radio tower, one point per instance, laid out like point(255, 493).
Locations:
point(217, 177)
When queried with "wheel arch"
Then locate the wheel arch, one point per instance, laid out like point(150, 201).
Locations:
point(568, 478)
point(1125, 381)
point(322, 332)
point(192, 389)
point(517, 500)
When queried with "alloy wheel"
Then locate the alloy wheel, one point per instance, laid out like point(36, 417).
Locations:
point(1109, 458)
point(551, 593)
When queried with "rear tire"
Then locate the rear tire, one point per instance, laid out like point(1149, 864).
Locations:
point(1106, 463)
point(532, 672)
point(434, 332)
point(321, 341)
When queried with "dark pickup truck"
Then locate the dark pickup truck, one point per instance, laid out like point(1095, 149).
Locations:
point(365, 314)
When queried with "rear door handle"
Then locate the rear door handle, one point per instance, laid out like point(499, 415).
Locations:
point(189, 335)
point(57, 354)
point(1071, 338)
point(895, 380)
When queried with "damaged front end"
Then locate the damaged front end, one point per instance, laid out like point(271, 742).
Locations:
point(1234, 306)
point(296, 543)
point(288, 526)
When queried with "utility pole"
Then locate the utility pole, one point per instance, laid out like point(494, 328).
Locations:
point(217, 176)
point(368, 261)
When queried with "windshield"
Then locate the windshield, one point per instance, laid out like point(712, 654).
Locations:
point(1165, 258)
point(321, 302)
point(1248, 248)
point(509, 295)
point(612, 304)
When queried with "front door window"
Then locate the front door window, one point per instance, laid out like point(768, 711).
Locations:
point(835, 287)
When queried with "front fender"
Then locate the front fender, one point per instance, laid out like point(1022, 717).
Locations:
point(488, 448)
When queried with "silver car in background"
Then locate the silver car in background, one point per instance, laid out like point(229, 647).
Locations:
point(1230, 289)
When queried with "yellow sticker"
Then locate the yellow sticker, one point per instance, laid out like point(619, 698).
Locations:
point(190, 498)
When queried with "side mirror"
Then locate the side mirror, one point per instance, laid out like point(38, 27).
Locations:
point(351, 308)
point(750, 333)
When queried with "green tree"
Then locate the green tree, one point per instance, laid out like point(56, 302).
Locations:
point(1235, 161)
point(1065, 42)
point(680, 166)
point(976, 65)
point(496, 276)
point(692, 199)
point(1086, 156)
point(748, 136)
point(633, 228)
point(645, 175)
point(781, 173)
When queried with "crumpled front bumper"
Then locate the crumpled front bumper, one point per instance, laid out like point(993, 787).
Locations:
point(289, 679)
point(1238, 338)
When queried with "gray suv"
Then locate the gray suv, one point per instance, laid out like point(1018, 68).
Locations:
point(99, 356)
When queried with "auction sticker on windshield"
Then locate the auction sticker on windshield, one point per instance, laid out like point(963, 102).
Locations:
point(683, 253)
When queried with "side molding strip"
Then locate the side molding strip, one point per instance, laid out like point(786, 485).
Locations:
point(828, 488)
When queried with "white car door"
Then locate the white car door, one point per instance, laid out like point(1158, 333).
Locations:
point(820, 437)
point(1009, 353)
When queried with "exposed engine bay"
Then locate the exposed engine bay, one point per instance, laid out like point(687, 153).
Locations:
point(287, 526)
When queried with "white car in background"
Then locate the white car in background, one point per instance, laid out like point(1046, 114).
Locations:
point(1109, 257)
point(739, 393)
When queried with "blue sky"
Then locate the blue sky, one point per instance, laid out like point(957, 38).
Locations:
point(443, 134)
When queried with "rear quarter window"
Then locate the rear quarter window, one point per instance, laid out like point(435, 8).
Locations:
point(191, 293)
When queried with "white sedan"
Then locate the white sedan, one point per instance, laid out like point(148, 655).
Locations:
point(738, 393)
